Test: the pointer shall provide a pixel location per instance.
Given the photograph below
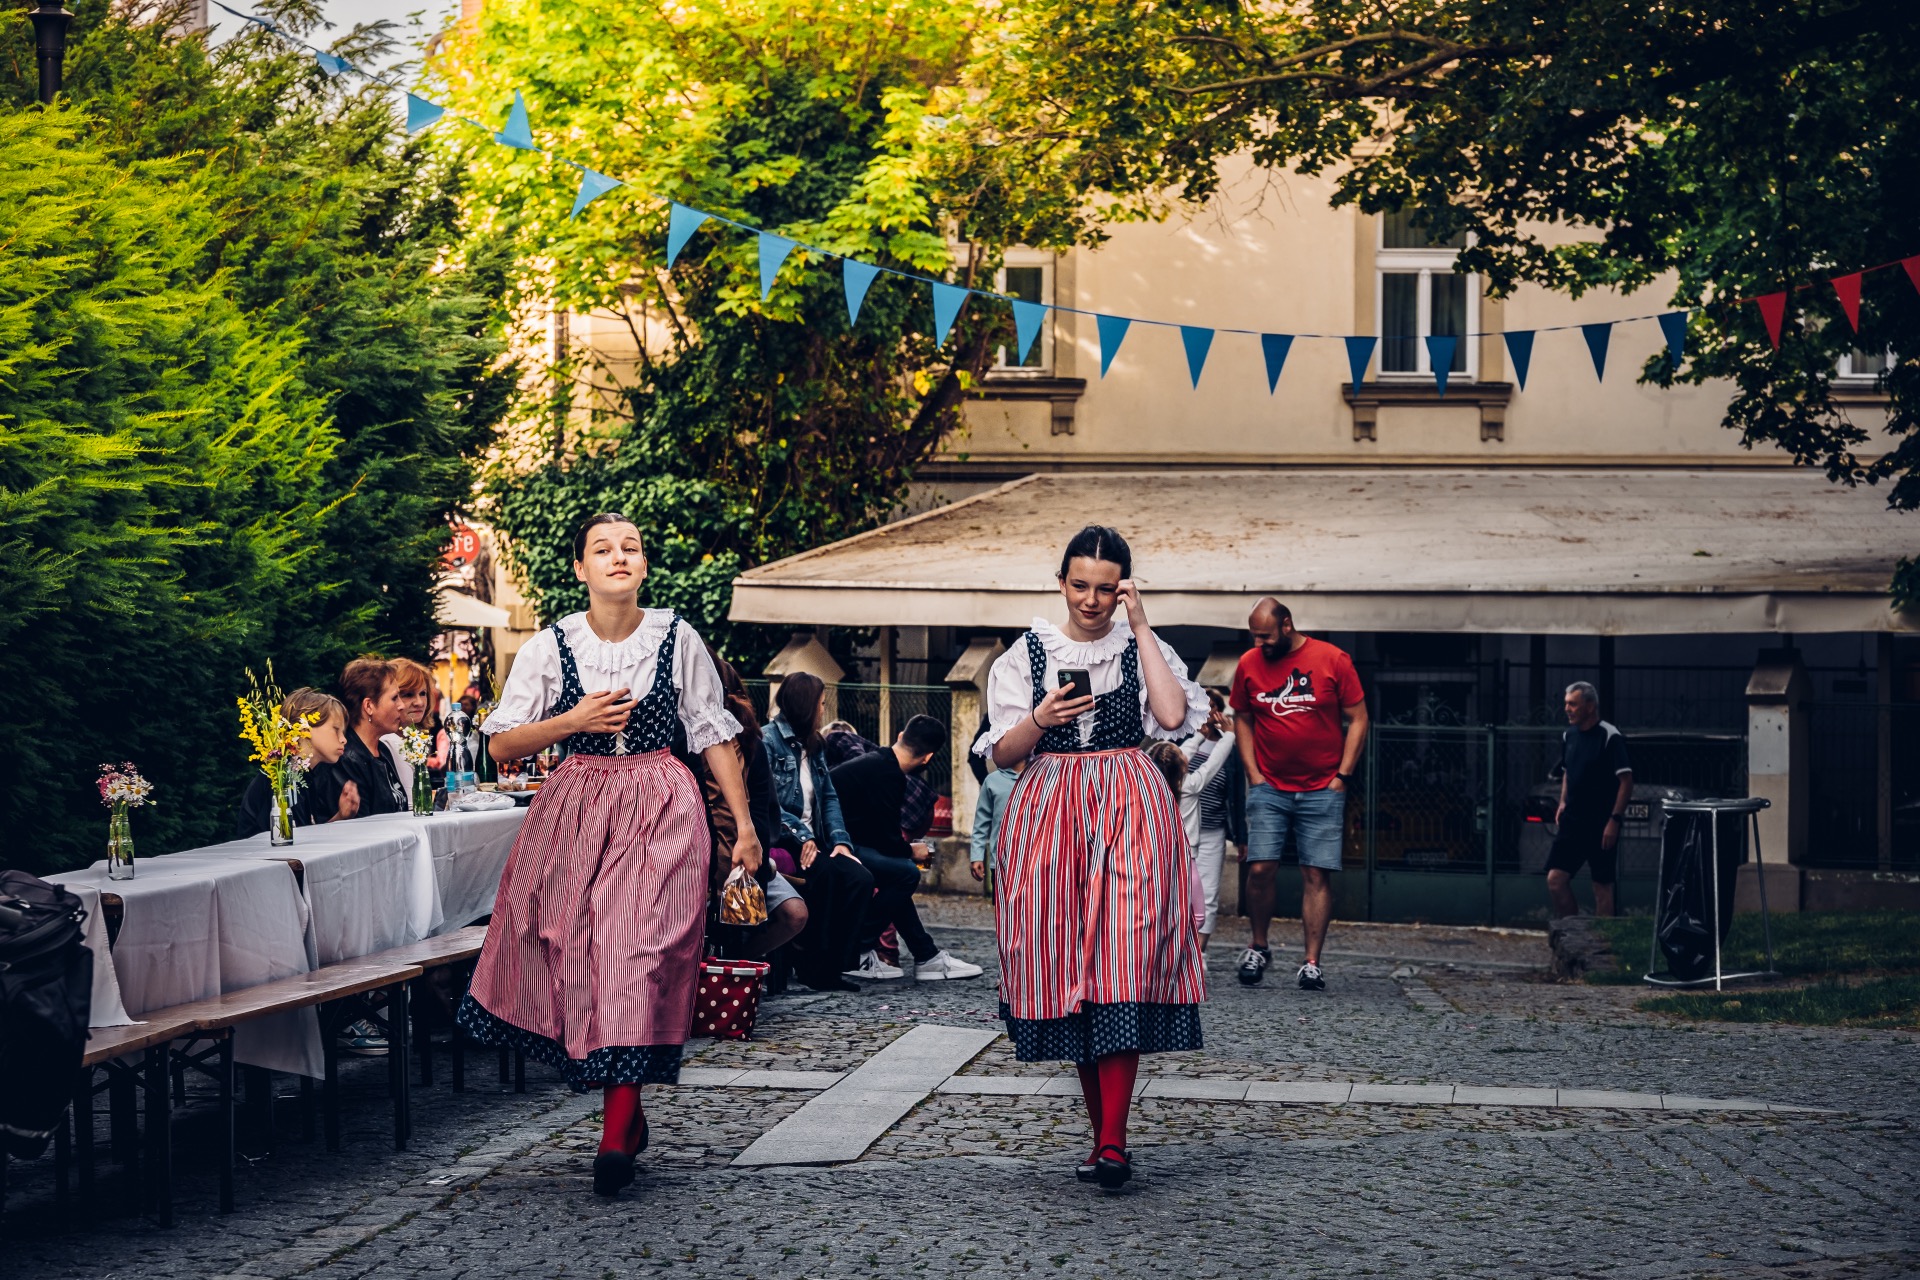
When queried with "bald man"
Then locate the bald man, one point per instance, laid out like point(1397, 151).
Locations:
point(1291, 694)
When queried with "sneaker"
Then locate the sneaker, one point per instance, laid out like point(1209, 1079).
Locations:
point(1253, 965)
point(1311, 979)
point(363, 1039)
point(874, 969)
point(943, 966)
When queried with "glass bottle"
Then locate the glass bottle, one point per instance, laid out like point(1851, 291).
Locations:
point(119, 845)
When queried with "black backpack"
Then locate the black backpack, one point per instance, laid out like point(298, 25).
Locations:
point(46, 995)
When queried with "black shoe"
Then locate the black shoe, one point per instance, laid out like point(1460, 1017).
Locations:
point(1253, 965)
point(1311, 979)
point(646, 1136)
point(612, 1170)
point(1110, 1173)
point(1086, 1171)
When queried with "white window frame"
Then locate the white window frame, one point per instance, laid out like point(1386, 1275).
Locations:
point(1843, 369)
point(1427, 263)
point(1042, 345)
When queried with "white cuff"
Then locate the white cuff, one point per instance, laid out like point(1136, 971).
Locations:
point(710, 729)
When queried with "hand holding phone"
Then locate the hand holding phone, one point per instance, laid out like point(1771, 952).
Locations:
point(1070, 700)
point(1079, 679)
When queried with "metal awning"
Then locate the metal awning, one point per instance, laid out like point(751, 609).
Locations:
point(458, 609)
point(1349, 549)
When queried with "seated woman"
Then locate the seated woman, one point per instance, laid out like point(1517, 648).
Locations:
point(414, 682)
point(838, 887)
point(325, 744)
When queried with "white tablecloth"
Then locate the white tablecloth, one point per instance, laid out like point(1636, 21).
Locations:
point(106, 1009)
point(193, 927)
point(231, 916)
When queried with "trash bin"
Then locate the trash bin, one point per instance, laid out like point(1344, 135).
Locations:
point(1702, 846)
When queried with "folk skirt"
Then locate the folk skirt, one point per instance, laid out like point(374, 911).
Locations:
point(1098, 952)
point(593, 953)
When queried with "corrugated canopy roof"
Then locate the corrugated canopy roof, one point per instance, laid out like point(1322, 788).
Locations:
point(1564, 552)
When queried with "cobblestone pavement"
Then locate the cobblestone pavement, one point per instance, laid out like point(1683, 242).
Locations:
point(495, 1182)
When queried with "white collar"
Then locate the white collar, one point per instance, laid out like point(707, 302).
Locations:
point(615, 657)
point(1065, 649)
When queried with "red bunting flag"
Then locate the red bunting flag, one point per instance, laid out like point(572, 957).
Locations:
point(1773, 310)
point(1913, 269)
point(1848, 287)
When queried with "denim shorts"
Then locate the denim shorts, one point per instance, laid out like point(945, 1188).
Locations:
point(1315, 819)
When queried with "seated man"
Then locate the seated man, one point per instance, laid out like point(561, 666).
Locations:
point(872, 790)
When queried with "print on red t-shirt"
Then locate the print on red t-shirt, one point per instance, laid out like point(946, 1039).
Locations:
point(1294, 705)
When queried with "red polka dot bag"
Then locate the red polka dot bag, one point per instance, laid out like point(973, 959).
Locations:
point(728, 998)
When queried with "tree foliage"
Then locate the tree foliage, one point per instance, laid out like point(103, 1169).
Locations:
point(741, 430)
point(250, 358)
point(1740, 147)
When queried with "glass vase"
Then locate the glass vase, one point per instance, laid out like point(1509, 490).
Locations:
point(280, 824)
point(119, 845)
point(422, 791)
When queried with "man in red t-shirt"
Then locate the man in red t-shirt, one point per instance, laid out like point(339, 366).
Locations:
point(1291, 693)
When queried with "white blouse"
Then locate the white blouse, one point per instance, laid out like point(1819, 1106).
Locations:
point(1010, 682)
point(534, 684)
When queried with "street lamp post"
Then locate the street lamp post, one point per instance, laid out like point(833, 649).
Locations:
point(50, 19)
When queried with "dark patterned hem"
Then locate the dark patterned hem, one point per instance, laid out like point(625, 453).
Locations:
point(1100, 1029)
point(614, 1064)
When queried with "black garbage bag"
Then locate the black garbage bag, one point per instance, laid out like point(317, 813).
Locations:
point(46, 995)
point(1685, 922)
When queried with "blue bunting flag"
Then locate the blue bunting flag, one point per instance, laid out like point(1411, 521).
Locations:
point(1359, 352)
point(1520, 351)
point(1274, 346)
point(682, 222)
point(1197, 342)
point(421, 113)
point(332, 64)
point(856, 278)
point(593, 185)
point(947, 301)
point(1674, 325)
point(1027, 318)
point(1440, 351)
point(519, 130)
point(1113, 331)
point(773, 253)
point(1596, 336)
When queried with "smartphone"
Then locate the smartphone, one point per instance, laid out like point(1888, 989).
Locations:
point(1079, 678)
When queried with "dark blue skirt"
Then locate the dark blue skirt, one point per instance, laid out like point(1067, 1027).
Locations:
point(1085, 1037)
point(615, 1064)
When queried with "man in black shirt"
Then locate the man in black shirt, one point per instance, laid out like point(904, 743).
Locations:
point(872, 788)
point(374, 707)
point(1595, 784)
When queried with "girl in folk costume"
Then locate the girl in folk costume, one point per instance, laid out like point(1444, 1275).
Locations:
point(591, 958)
point(1098, 959)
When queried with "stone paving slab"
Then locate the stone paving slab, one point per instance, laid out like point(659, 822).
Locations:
point(1473, 1095)
point(1325, 1092)
point(1403, 1095)
point(1215, 1090)
point(998, 1086)
point(840, 1123)
point(1614, 1098)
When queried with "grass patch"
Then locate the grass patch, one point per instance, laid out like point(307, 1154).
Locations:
point(1805, 944)
point(1878, 1002)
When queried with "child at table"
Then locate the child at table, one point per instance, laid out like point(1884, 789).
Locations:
point(327, 742)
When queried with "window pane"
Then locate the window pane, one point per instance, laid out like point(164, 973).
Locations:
point(1866, 364)
point(1399, 232)
point(1399, 322)
point(1029, 285)
point(1449, 314)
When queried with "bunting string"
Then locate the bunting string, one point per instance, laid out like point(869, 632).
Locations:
point(949, 299)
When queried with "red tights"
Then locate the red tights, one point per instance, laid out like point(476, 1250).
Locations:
point(623, 1119)
point(1107, 1086)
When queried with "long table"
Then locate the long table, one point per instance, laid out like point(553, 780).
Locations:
point(202, 922)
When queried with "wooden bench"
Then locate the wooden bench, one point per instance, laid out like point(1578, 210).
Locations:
point(449, 950)
point(331, 988)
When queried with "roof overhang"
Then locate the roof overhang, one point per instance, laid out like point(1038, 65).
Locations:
point(1536, 552)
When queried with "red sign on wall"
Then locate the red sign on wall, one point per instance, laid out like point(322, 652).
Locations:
point(462, 549)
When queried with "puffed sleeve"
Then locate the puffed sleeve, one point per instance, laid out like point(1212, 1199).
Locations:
point(1009, 696)
point(532, 686)
point(703, 708)
point(1197, 705)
